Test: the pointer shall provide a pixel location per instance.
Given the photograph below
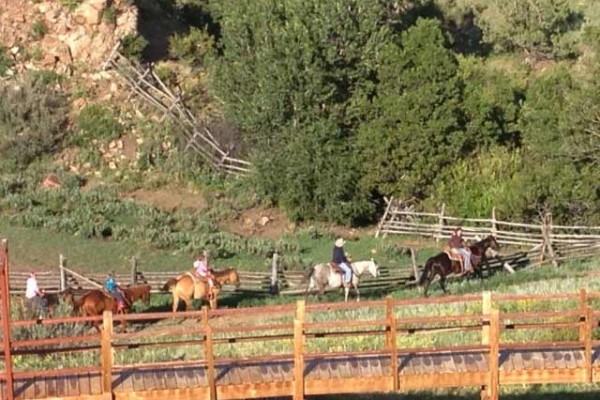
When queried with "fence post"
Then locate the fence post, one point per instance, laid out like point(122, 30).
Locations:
point(107, 354)
point(547, 234)
point(493, 389)
point(385, 214)
point(438, 234)
point(63, 274)
point(299, 350)
point(494, 226)
point(588, 325)
point(274, 289)
point(413, 257)
point(133, 270)
point(6, 334)
point(209, 354)
point(582, 311)
point(486, 309)
point(391, 341)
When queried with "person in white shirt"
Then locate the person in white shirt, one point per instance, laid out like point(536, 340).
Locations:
point(35, 296)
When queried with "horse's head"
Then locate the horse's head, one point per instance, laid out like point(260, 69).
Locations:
point(489, 245)
point(233, 277)
point(373, 268)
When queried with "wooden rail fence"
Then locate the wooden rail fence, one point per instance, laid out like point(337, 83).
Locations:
point(546, 240)
point(148, 85)
point(223, 367)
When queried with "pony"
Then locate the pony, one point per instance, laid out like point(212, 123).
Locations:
point(93, 303)
point(183, 288)
point(321, 276)
point(441, 264)
point(227, 276)
point(138, 292)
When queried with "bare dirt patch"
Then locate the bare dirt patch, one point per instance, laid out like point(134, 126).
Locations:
point(259, 222)
point(169, 199)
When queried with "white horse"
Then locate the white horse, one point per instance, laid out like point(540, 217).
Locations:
point(322, 275)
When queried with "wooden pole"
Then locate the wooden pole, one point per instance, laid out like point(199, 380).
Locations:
point(438, 234)
point(486, 309)
point(209, 354)
point(391, 341)
point(299, 350)
point(494, 226)
point(63, 275)
point(133, 271)
point(582, 313)
point(587, 344)
point(107, 351)
point(493, 387)
point(547, 232)
point(385, 214)
point(274, 268)
point(6, 334)
point(413, 257)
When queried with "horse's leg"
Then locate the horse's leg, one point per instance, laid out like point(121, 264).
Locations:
point(175, 301)
point(346, 292)
point(355, 285)
point(443, 282)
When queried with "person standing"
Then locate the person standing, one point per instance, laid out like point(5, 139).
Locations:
point(339, 258)
point(35, 296)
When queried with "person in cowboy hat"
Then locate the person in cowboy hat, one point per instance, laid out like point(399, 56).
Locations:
point(339, 257)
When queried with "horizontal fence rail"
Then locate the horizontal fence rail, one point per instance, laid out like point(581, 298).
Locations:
point(554, 243)
point(310, 349)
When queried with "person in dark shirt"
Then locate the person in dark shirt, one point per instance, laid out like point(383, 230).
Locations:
point(339, 257)
point(458, 244)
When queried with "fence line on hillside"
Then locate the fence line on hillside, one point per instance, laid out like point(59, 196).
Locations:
point(555, 242)
point(148, 85)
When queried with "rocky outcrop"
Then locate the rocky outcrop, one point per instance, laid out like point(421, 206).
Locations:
point(79, 38)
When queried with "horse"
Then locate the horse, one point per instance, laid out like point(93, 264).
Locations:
point(93, 303)
point(183, 288)
point(138, 292)
point(29, 307)
point(227, 276)
point(441, 264)
point(322, 275)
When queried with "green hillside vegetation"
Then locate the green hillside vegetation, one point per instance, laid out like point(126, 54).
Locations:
point(338, 104)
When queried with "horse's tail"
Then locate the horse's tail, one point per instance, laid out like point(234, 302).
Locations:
point(426, 272)
point(168, 287)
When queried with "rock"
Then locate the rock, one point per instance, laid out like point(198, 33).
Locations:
point(264, 220)
point(87, 14)
point(112, 165)
point(51, 181)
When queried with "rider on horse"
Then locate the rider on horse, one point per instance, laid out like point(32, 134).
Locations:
point(110, 284)
point(204, 273)
point(339, 258)
point(457, 243)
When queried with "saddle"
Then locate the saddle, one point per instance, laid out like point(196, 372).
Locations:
point(454, 255)
point(334, 267)
point(199, 284)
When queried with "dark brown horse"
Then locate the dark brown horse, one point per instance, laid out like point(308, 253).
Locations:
point(137, 292)
point(30, 308)
point(94, 303)
point(441, 264)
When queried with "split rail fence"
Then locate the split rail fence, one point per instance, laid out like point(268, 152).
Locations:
point(546, 241)
point(148, 85)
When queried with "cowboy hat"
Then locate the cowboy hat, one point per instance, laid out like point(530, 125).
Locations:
point(339, 242)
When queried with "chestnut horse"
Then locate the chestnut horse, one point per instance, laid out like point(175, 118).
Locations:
point(93, 303)
point(137, 292)
point(227, 276)
point(183, 288)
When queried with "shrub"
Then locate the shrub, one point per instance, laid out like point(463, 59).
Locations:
point(39, 29)
point(33, 118)
point(192, 47)
point(133, 46)
point(96, 122)
point(6, 62)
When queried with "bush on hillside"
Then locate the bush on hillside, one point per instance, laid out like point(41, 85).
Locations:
point(33, 122)
point(95, 121)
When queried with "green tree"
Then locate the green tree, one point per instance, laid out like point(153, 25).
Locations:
point(539, 28)
point(414, 132)
point(298, 68)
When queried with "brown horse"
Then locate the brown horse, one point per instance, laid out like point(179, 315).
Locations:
point(183, 288)
point(30, 308)
point(138, 292)
point(93, 303)
point(227, 276)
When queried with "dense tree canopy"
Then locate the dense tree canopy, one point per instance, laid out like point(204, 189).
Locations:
point(344, 101)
